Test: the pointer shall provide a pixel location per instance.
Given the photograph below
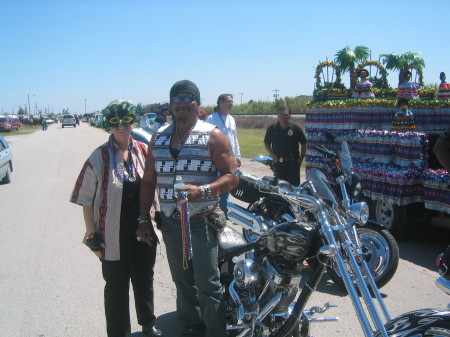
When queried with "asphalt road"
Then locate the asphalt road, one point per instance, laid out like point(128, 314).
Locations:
point(51, 284)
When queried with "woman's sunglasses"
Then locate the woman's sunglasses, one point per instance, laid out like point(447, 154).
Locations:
point(124, 121)
point(185, 99)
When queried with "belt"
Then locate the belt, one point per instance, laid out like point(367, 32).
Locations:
point(286, 160)
point(176, 215)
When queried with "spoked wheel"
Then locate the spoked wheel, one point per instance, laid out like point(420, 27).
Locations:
point(380, 253)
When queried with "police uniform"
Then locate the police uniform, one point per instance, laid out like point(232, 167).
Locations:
point(284, 143)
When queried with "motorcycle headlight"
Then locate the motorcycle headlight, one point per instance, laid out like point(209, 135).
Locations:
point(360, 212)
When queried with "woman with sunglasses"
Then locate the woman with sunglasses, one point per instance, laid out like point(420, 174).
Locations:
point(108, 189)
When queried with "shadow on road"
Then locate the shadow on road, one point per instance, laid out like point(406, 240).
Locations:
point(167, 323)
point(425, 241)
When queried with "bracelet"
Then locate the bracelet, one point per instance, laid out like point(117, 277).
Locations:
point(90, 235)
point(206, 191)
point(143, 218)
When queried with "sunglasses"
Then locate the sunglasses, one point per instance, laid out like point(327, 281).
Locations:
point(124, 121)
point(185, 99)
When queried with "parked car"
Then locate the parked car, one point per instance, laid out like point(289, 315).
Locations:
point(15, 122)
point(5, 161)
point(68, 120)
point(5, 124)
point(142, 135)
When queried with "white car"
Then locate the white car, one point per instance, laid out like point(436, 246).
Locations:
point(5, 161)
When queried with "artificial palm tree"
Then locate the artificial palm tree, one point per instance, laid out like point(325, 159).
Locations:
point(346, 58)
point(403, 63)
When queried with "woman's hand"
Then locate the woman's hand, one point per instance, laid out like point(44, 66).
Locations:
point(95, 243)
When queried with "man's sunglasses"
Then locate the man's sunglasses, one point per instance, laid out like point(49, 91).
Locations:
point(123, 121)
point(185, 99)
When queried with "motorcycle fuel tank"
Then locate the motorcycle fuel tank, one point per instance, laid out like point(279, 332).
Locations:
point(291, 240)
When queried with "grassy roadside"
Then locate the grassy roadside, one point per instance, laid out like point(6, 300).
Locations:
point(251, 142)
point(24, 130)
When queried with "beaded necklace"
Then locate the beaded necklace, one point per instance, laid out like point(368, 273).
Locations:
point(129, 172)
point(185, 229)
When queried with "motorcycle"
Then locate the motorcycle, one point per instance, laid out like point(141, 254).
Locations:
point(378, 245)
point(263, 297)
point(443, 264)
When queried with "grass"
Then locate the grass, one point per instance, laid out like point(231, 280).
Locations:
point(24, 130)
point(251, 142)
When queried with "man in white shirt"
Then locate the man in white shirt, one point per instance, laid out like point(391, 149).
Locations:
point(144, 122)
point(226, 123)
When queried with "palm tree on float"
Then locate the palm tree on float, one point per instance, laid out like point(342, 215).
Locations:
point(403, 63)
point(347, 58)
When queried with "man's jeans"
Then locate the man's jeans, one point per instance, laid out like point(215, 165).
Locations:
point(223, 200)
point(199, 292)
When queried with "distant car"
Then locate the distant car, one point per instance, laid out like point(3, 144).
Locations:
point(142, 135)
point(5, 124)
point(68, 120)
point(15, 122)
point(5, 161)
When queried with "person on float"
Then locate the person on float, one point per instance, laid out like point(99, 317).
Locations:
point(403, 118)
point(408, 89)
point(363, 88)
point(108, 189)
point(444, 88)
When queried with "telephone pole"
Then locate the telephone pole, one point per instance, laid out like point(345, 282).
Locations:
point(276, 95)
point(241, 93)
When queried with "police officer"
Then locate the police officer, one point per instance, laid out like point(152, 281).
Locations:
point(282, 141)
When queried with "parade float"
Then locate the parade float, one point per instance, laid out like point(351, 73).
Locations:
point(402, 178)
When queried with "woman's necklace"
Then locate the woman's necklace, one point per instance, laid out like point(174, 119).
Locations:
point(130, 173)
point(181, 141)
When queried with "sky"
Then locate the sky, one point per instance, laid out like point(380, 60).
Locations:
point(80, 55)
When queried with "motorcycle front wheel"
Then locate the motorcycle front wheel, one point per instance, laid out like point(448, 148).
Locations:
point(380, 253)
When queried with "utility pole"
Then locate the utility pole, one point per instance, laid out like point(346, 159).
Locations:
point(241, 93)
point(276, 95)
point(85, 106)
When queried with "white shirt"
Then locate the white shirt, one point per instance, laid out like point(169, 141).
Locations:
point(227, 125)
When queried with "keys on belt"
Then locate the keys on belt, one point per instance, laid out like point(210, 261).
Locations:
point(286, 160)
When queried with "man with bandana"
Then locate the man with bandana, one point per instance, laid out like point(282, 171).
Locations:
point(183, 161)
point(282, 141)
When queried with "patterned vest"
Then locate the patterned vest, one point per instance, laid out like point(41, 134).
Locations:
point(193, 165)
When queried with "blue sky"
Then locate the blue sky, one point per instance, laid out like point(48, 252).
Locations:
point(65, 53)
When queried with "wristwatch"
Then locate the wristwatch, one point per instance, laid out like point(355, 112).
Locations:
point(143, 218)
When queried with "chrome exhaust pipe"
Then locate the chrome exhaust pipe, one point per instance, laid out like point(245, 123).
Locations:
point(241, 217)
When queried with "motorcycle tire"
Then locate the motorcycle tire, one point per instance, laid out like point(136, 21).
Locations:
point(381, 255)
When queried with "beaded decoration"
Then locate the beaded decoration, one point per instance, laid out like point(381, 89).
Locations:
point(185, 229)
point(130, 172)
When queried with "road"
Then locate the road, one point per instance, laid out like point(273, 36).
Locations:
point(51, 284)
